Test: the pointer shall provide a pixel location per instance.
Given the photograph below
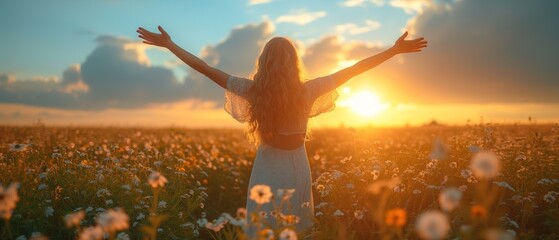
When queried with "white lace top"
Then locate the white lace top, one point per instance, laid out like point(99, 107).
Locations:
point(320, 97)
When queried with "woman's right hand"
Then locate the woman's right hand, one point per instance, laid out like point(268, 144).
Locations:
point(406, 46)
point(162, 40)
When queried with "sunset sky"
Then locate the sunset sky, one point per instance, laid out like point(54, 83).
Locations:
point(81, 63)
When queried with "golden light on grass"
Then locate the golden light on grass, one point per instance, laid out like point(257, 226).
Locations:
point(363, 102)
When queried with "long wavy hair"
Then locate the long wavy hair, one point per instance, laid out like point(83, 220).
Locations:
point(277, 94)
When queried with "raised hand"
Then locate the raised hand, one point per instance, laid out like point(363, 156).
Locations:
point(407, 46)
point(162, 40)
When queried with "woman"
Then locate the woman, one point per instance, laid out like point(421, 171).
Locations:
point(277, 105)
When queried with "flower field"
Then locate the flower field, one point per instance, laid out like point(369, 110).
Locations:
point(481, 181)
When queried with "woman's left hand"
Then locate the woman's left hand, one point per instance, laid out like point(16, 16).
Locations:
point(407, 46)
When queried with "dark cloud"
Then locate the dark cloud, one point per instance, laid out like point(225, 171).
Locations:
point(484, 51)
point(38, 91)
point(479, 52)
point(71, 75)
point(118, 75)
point(115, 75)
point(72, 81)
point(5, 79)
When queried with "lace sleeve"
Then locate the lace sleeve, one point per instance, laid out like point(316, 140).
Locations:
point(322, 95)
point(236, 103)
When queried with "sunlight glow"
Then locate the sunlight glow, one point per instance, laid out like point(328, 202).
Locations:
point(364, 102)
point(345, 64)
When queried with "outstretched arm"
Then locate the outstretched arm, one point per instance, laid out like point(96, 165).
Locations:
point(164, 40)
point(401, 46)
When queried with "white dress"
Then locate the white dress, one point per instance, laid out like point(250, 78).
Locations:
point(278, 168)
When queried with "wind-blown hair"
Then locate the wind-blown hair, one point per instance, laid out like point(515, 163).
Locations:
point(277, 94)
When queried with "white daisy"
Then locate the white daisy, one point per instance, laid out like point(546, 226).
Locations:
point(260, 194)
point(113, 220)
point(157, 180)
point(432, 225)
point(449, 199)
point(18, 147)
point(287, 234)
point(485, 165)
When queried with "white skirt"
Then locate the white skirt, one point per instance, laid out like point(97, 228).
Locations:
point(282, 169)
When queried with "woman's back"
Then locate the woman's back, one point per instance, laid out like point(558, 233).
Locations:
point(320, 96)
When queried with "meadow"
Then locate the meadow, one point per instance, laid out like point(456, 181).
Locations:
point(479, 181)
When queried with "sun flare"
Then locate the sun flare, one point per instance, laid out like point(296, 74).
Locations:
point(364, 102)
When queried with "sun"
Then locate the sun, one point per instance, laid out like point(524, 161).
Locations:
point(364, 102)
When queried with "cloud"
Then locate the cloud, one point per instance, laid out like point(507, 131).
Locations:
point(379, 3)
point(45, 91)
point(485, 51)
point(323, 56)
point(72, 81)
point(409, 6)
point(479, 52)
point(413, 6)
point(6, 79)
point(358, 3)
point(117, 74)
point(300, 17)
point(256, 2)
point(353, 29)
point(235, 55)
point(361, 50)
point(38, 91)
point(353, 3)
point(332, 53)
